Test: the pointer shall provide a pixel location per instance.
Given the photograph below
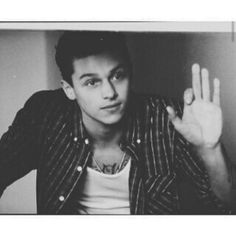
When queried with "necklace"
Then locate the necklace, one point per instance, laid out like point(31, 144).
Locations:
point(113, 172)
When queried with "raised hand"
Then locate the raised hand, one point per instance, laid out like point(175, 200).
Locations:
point(201, 123)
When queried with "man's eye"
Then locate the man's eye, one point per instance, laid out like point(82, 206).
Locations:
point(119, 75)
point(91, 83)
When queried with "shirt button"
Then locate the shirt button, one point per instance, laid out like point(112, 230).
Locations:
point(75, 139)
point(138, 140)
point(61, 198)
point(151, 120)
point(79, 168)
point(86, 141)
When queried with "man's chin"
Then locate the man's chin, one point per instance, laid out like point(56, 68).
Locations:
point(112, 120)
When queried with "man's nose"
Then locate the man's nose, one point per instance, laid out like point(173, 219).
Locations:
point(108, 90)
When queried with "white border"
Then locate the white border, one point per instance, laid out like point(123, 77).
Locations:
point(117, 225)
point(124, 26)
point(103, 10)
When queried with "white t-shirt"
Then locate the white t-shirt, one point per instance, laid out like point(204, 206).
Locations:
point(104, 193)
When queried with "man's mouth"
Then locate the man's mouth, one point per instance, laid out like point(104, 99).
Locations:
point(111, 106)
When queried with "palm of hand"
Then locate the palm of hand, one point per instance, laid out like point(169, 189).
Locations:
point(202, 123)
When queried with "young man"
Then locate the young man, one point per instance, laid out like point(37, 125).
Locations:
point(100, 149)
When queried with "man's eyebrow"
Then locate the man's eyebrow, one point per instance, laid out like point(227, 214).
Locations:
point(120, 66)
point(94, 74)
point(87, 75)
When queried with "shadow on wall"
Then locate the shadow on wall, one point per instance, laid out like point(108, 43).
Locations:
point(159, 62)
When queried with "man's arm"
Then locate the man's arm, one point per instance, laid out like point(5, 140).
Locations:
point(219, 174)
point(201, 125)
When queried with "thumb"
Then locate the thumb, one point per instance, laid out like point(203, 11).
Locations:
point(176, 121)
point(188, 96)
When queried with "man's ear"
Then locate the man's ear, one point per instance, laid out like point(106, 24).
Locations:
point(68, 89)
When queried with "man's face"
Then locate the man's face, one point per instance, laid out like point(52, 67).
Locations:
point(101, 87)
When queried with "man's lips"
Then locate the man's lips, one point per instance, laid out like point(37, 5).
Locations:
point(111, 106)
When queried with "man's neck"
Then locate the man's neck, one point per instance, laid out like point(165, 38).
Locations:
point(104, 135)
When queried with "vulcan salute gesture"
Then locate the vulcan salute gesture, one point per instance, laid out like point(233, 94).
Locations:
point(201, 125)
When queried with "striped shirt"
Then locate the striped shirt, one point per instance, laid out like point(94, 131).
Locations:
point(48, 135)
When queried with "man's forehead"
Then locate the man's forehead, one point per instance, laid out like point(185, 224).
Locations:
point(97, 63)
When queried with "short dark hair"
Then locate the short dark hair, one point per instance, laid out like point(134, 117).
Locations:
point(80, 44)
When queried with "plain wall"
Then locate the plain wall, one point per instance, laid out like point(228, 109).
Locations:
point(162, 64)
point(23, 68)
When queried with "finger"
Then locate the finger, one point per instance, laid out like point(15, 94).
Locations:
point(216, 93)
point(205, 85)
point(176, 121)
point(196, 83)
point(188, 96)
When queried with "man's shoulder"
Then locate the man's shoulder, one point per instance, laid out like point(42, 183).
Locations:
point(47, 97)
point(49, 94)
point(46, 101)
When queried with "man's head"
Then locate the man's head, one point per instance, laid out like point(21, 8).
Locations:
point(74, 45)
point(96, 72)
